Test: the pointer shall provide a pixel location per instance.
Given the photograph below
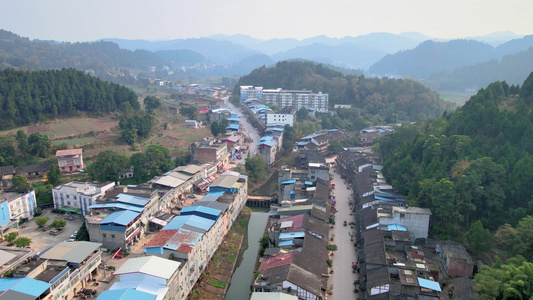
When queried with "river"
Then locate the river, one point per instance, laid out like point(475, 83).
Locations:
point(242, 277)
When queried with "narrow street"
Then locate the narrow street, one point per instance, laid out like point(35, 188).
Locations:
point(342, 279)
point(246, 126)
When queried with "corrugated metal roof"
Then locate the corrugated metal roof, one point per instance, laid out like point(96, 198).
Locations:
point(429, 284)
point(212, 196)
point(158, 290)
point(183, 240)
point(24, 285)
point(285, 243)
point(5, 257)
point(168, 181)
point(201, 209)
point(396, 227)
point(191, 169)
point(126, 294)
point(213, 204)
point(225, 181)
point(117, 205)
point(150, 265)
point(122, 217)
point(291, 235)
point(74, 252)
point(130, 199)
point(190, 220)
point(288, 181)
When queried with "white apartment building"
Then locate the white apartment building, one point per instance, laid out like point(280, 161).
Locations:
point(77, 196)
point(287, 98)
point(16, 205)
point(249, 92)
point(280, 118)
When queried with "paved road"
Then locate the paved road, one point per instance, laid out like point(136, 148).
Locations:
point(246, 126)
point(342, 279)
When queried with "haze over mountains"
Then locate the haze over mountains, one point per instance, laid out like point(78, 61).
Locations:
point(442, 65)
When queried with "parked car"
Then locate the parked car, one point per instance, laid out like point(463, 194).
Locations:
point(54, 232)
point(69, 217)
point(192, 195)
point(71, 240)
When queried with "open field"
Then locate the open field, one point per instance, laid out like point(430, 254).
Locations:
point(62, 128)
point(75, 141)
point(459, 98)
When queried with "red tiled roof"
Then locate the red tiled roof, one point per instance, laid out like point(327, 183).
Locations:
point(276, 261)
point(161, 238)
point(69, 152)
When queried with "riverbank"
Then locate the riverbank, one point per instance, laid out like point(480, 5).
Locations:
point(215, 281)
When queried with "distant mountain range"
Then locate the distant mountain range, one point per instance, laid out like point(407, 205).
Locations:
point(434, 62)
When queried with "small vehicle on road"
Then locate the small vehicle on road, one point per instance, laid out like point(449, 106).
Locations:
point(345, 223)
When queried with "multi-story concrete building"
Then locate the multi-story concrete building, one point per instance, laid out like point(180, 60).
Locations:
point(280, 118)
point(77, 196)
point(287, 98)
point(120, 218)
point(209, 150)
point(150, 277)
point(66, 266)
point(70, 160)
point(193, 237)
point(250, 92)
point(415, 219)
point(16, 205)
point(268, 148)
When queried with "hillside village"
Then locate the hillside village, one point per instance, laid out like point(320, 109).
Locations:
point(163, 234)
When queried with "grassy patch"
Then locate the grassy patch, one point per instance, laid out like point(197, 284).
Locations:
point(217, 283)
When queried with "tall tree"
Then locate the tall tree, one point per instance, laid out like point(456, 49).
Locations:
point(108, 165)
point(188, 111)
point(478, 237)
point(54, 175)
point(39, 144)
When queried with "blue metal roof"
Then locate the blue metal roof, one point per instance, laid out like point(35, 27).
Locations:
point(288, 181)
point(396, 227)
point(123, 217)
point(201, 209)
point(291, 235)
point(212, 196)
point(191, 220)
point(308, 182)
point(118, 205)
point(233, 126)
point(126, 294)
point(130, 199)
point(234, 119)
point(285, 243)
point(387, 199)
point(25, 285)
point(429, 284)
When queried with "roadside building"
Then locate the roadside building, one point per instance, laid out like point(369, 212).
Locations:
point(152, 275)
point(209, 150)
point(77, 196)
point(67, 266)
point(23, 288)
point(70, 160)
point(14, 206)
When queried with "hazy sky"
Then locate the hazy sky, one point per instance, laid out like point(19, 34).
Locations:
point(87, 20)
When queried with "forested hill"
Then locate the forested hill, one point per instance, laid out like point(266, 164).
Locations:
point(394, 100)
point(473, 164)
point(30, 97)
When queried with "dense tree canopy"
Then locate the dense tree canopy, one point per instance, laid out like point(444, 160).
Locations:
point(483, 151)
point(392, 100)
point(27, 97)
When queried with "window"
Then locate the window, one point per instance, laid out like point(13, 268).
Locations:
point(104, 235)
point(402, 215)
point(112, 236)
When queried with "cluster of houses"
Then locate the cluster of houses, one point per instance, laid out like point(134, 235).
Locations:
point(202, 90)
point(295, 264)
point(395, 257)
point(186, 233)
